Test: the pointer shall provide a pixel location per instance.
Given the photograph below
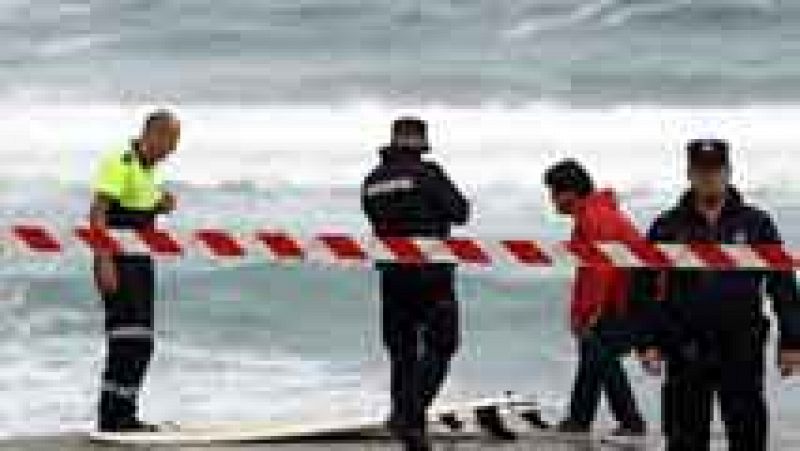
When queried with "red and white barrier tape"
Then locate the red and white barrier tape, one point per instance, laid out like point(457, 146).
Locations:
point(334, 249)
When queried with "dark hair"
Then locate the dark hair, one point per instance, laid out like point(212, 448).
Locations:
point(569, 176)
point(156, 117)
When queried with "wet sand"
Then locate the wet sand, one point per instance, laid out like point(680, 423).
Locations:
point(789, 440)
point(785, 436)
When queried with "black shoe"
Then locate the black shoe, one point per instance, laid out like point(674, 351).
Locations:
point(636, 430)
point(415, 440)
point(572, 427)
point(128, 425)
point(489, 420)
point(394, 425)
point(534, 418)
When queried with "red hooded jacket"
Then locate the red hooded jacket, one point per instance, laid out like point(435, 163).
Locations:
point(598, 290)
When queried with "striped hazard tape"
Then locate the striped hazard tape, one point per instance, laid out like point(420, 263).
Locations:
point(341, 249)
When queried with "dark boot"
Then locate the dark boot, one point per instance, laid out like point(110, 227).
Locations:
point(114, 410)
point(415, 439)
point(634, 430)
point(134, 425)
point(572, 427)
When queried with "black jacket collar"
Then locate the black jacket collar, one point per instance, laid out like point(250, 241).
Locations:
point(734, 202)
point(391, 155)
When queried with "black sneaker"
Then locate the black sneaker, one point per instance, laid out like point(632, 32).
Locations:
point(638, 430)
point(414, 439)
point(394, 425)
point(128, 425)
point(572, 427)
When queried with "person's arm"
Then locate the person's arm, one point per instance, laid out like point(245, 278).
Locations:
point(590, 286)
point(167, 204)
point(367, 206)
point(451, 200)
point(646, 309)
point(105, 272)
point(107, 186)
point(594, 287)
point(783, 291)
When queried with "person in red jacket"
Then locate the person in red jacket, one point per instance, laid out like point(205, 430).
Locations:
point(599, 297)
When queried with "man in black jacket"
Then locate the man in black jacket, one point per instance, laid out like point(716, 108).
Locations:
point(709, 325)
point(405, 196)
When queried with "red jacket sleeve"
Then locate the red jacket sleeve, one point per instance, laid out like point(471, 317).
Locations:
point(599, 289)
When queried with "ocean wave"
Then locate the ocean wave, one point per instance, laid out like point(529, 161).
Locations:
point(598, 52)
point(66, 46)
point(634, 11)
point(597, 14)
point(580, 15)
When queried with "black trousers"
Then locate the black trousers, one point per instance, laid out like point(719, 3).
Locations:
point(129, 331)
point(730, 365)
point(421, 334)
point(600, 370)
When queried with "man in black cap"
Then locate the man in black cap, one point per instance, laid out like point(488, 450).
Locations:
point(708, 324)
point(405, 196)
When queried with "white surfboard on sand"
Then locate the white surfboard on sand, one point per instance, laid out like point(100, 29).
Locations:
point(453, 421)
point(448, 422)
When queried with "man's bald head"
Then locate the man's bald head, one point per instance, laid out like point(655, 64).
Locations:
point(158, 118)
point(160, 135)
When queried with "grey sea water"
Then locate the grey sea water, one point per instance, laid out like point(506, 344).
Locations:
point(410, 51)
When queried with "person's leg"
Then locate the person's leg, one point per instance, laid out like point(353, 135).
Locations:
point(586, 391)
point(687, 405)
point(400, 336)
point(129, 320)
point(114, 405)
point(440, 336)
point(616, 338)
point(141, 334)
point(620, 395)
point(742, 400)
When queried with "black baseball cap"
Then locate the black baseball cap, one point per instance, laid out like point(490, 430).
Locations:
point(708, 153)
point(409, 126)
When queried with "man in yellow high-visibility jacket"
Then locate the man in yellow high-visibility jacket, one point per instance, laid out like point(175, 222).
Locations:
point(127, 195)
